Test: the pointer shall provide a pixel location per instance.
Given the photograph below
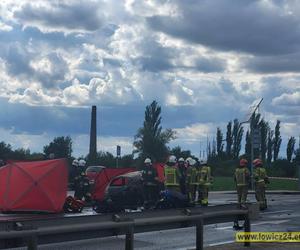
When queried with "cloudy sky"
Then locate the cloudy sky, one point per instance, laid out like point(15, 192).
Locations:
point(205, 61)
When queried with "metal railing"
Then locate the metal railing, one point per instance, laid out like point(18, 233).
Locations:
point(31, 232)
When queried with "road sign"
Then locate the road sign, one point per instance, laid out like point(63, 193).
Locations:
point(118, 150)
point(256, 138)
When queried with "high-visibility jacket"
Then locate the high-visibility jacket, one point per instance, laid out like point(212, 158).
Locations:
point(192, 176)
point(205, 176)
point(260, 174)
point(241, 176)
point(171, 176)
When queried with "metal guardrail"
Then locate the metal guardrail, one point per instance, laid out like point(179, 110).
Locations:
point(33, 231)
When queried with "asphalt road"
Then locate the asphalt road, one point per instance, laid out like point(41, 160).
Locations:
point(283, 214)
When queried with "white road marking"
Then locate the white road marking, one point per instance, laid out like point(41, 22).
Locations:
point(221, 243)
point(276, 222)
point(210, 245)
point(277, 212)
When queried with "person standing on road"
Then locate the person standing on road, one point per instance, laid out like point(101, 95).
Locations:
point(205, 180)
point(81, 183)
point(150, 183)
point(171, 174)
point(242, 178)
point(182, 171)
point(261, 179)
point(192, 178)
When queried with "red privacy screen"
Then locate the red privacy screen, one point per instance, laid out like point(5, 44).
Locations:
point(33, 186)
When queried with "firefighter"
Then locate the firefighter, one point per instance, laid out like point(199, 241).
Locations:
point(150, 183)
point(82, 183)
point(192, 178)
point(241, 178)
point(205, 180)
point(75, 168)
point(81, 165)
point(82, 188)
point(171, 175)
point(182, 172)
point(261, 179)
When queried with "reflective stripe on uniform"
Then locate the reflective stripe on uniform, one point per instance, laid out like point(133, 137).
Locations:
point(260, 174)
point(192, 176)
point(240, 176)
point(170, 176)
point(205, 176)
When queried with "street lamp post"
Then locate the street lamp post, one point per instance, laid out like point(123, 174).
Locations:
point(252, 154)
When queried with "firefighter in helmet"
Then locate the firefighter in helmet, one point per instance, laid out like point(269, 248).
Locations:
point(150, 182)
point(242, 180)
point(261, 179)
point(182, 171)
point(81, 183)
point(205, 180)
point(192, 178)
point(171, 175)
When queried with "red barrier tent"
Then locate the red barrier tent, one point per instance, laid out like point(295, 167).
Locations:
point(33, 186)
point(106, 175)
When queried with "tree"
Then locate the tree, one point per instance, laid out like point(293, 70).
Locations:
point(220, 144)
point(277, 140)
point(214, 149)
point(61, 147)
point(270, 146)
point(229, 139)
point(127, 161)
point(264, 128)
point(209, 152)
point(106, 159)
point(5, 150)
point(237, 135)
point(254, 121)
point(178, 152)
point(20, 154)
point(150, 140)
point(297, 155)
point(290, 148)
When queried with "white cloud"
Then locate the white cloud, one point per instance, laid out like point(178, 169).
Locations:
point(195, 132)
point(286, 99)
point(5, 27)
point(79, 53)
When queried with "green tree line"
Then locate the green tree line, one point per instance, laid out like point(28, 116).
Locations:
point(151, 140)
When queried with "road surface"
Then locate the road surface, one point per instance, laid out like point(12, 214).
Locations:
point(283, 214)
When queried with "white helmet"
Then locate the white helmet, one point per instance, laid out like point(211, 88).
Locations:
point(203, 162)
point(147, 161)
point(82, 163)
point(172, 159)
point(190, 161)
point(180, 159)
point(75, 163)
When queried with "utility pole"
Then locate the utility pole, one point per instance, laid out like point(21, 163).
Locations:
point(298, 165)
point(255, 142)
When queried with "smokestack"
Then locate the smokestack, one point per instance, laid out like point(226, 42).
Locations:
point(93, 136)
